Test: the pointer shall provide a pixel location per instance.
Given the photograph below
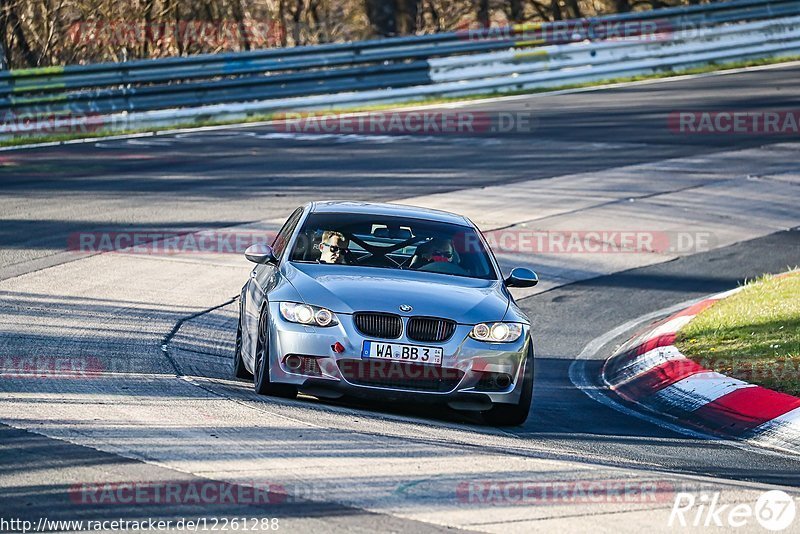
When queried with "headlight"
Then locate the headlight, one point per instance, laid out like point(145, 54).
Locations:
point(305, 314)
point(496, 332)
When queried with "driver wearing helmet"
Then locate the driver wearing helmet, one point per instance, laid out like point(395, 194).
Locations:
point(437, 250)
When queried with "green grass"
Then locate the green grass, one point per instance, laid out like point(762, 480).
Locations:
point(753, 335)
point(713, 67)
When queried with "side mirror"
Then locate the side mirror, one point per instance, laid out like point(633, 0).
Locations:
point(260, 253)
point(522, 277)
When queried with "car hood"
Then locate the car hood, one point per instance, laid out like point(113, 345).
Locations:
point(346, 289)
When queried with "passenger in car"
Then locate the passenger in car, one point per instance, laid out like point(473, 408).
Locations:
point(435, 250)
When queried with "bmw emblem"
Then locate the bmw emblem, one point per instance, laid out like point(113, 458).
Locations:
point(405, 308)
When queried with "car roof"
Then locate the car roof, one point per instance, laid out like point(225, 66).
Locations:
point(382, 208)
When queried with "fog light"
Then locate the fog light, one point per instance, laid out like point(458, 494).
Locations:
point(293, 362)
point(502, 380)
point(494, 382)
point(302, 365)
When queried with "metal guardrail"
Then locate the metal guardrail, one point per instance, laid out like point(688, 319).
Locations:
point(680, 49)
point(498, 59)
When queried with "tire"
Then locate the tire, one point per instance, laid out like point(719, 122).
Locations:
point(261, 372)
point(514, 414)
point(239, 370)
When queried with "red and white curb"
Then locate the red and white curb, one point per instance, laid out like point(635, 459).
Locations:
point(651, 372)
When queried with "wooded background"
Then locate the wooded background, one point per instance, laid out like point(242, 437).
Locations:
point(38, 33)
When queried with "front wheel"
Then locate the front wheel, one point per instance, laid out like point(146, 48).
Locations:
point(514, 414)
point(239, 370)
point(261, 381)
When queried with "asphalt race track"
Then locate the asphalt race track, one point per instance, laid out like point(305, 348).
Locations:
point(161, 327)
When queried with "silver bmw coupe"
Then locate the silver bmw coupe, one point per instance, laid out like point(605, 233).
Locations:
point(384, 301)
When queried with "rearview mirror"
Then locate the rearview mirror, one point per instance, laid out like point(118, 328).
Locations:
point(522, 277)
point(260, 253)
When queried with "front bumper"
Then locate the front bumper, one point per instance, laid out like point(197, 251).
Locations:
point(466, 378)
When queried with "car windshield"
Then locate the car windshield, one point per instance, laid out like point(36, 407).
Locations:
point(391, 242)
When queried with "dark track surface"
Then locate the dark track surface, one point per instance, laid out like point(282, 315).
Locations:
point(212, 180)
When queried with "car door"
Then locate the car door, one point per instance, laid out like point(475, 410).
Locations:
point(262, 278)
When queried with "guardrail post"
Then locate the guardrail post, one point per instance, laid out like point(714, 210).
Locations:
point(126, 84)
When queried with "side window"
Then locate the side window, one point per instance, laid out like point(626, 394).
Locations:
point(282, 239)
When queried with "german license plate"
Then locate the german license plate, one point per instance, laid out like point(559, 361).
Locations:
point(402, 353)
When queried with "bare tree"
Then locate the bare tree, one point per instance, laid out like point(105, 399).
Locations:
point(238, 15)
point(19, 40)
point(406, 14)
point(515, 11)
point(482, 13)
point(382, 15)
point(622, 6)
point(52, 32)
